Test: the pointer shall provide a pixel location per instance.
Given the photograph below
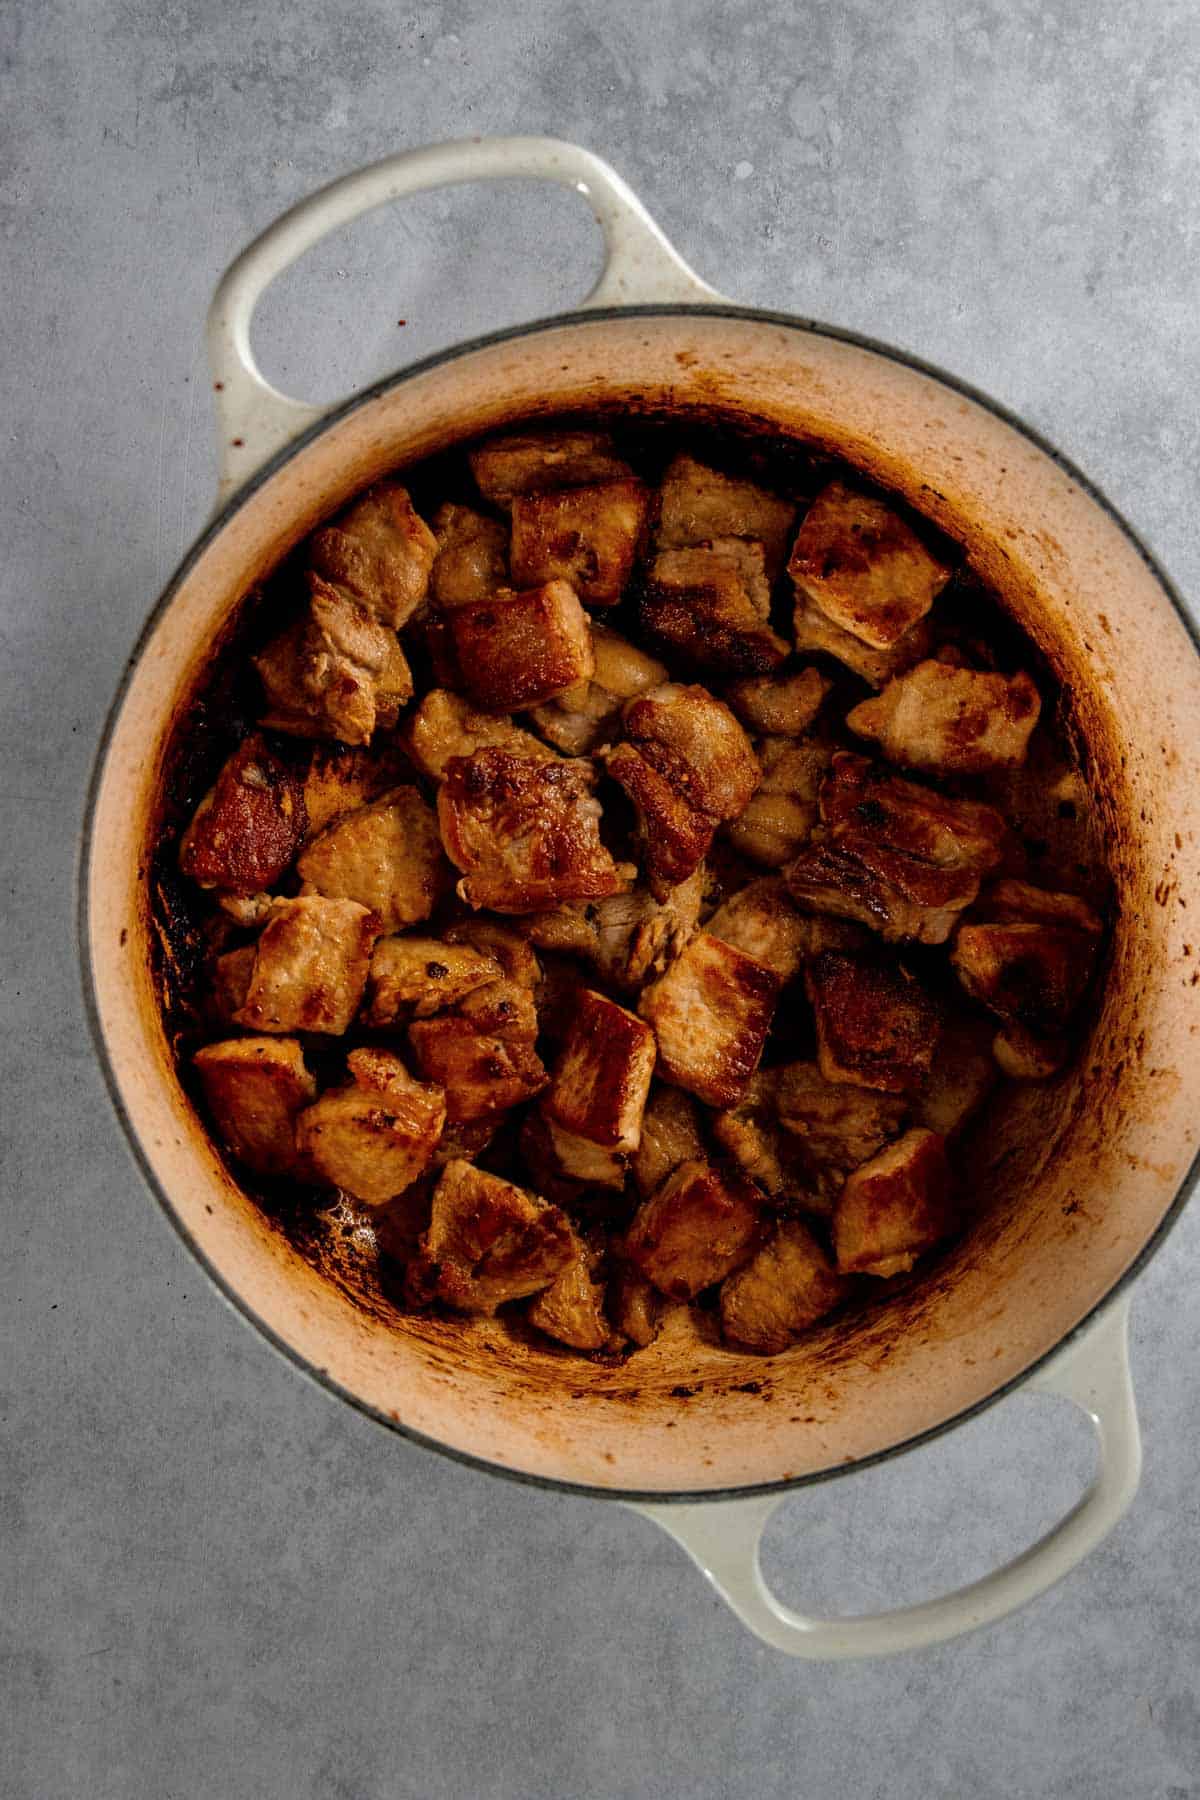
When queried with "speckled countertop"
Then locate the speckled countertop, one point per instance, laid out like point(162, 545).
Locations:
point(216, 1583)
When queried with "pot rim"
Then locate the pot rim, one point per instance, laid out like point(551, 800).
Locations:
point(212, 530)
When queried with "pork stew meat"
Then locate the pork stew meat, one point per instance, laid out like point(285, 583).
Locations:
point(663, 936)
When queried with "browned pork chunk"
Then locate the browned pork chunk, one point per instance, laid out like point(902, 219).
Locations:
point(376, 1135)
point(780, 816)
point(951, 721)
point(482, 1055)
point(472, 556)
point(876, 1026)
point(571, 1309)
point(963, 1075)
point(1020, 903)
point(894, 1207)
point(488, 1242)
point(387, 856)
point(814, 632)
point(524, 833)
point(626, 937)
point(699, 504)
point(343, 776)
point(378, 552)
point(336, 673)
point(785, 1287)
point(256, 1087)
point(310, 966)
point(520, 649)
point(635, 1306)
point(445, 725)
point(751, 1134)
point(1031, 975)
point(249, 825)
point(530, 462)
point(781, 705)
point(694, 1230)
point(897, 896)
point(412, 977)
point(599, 1088)
point(865, 569)
point(862, 797)
point(589, 536)
point(761, 920)
point(577, 723)
point(709, 604)
point(670, 1135)
point(837, 1126)
point(711, 1012)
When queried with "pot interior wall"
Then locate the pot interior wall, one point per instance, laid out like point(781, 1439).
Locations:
point(1077, 1174)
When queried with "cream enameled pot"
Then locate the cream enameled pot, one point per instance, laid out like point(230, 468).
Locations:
point(1083, 1175)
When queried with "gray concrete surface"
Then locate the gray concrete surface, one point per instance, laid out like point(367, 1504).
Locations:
point(216, 1582)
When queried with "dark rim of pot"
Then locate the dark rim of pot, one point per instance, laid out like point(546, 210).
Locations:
point(216, 525)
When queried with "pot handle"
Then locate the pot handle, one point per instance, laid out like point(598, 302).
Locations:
point(255, 421)
point(723, 1537)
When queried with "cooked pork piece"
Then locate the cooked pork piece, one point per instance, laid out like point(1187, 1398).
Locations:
point(248, 911)
point(760, 920)
point(866, 799)
point(1020, 903)
point(521, 649)
point(310, 966)
point(387, 856)
point(699, 504)
point(694, 1230)
point(571, 1309)
point(951, 721)
point(711, 1012)
point(341, 777)
point(530, 462)
point(543, 1167)
point(1031, 975)
point(336, 673)
point(577, 725)
point(412, 977)
point(376, 1135)
point(636, 1306)
point(482, 1074)
point(589, 536)
point(231, 976)
point(838, 1126)
point(444, 726)
point(896, 895)
point(780, 816)
point(813, 631)
point(674, 837)
point(876, 1026)
point(782, 705)
point(600, 1083)
point(865, 569)
point(503, 1008)
point(472, 556)
point(785, 1287)
point(378, 553)
point(670, 1135)
point(249, 825)
point(894, 1207)
point(256, 1087)
point(488, 1242)
point(1023, 1057)
point(962, 1076)
point(751, 1134)
point(506, 945)
point(709, 605)
point(626, 937)
point(524, 833)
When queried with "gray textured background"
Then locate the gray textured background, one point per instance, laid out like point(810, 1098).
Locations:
point(216, 1581)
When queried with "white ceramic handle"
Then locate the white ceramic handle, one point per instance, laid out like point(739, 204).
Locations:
point(255, 420)
point(723, 1537)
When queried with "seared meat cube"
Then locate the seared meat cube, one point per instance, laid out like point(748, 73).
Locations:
point(636, 1306)
point(781, 815)
point(751, 1134)
point(670, 1135)
point(694, 1230)
point(699, 504)
point(444, 726)
point(310, 966)
point(786, 1286)
point(779, 705)
point(602, 1078)
point(711, 1012)
point(482, 1074)
point(529, 462)
point(379, 553)
point(1023, 1057)
point(571, 1309)
point(894, 1207)
point(813, 631)
point(520, 649)
point(546, 1171)
point(589, 536)
point(626, 937)
point(488, 1242)
point(876, 1026)
point(341, 777)
point(248, 827)
point(472, 556)
point(760, 920)
point(1031, 975)
point(412, 977)
point(337, 673)
point(387, 856)
point(962, 1076)
point(710, 604)
point(524, 833)
point(256, 1087)
point(951, 720)
point(503, 1008)
point(1020, 903)
point(231, 976)
point(864, 567)
point(675, 838)
point(377, 1135)
point(864, 798)
point(577, 724)
point(464, 1140)
point(507, 946)
point(248, 911)
point(837, 1126)
point(896, 895)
